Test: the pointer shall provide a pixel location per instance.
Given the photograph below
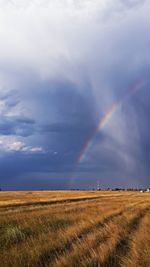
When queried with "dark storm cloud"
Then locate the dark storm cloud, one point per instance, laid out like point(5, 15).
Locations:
point(10, 122)
point(67, 64)
point(74, 113)
point(16, 126)
point(65, 127)
point(28, 166)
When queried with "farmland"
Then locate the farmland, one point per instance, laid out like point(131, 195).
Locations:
point(74, 228)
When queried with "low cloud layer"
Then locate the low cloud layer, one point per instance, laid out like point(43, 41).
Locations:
point(62, 66)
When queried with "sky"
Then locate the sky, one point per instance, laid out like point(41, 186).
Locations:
point(74, 94)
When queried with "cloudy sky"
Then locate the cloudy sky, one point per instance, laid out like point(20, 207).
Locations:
point(74, 93)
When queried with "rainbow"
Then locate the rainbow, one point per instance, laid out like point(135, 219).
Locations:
point(108, 115)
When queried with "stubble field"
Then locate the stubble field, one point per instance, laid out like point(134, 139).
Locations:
point(74, 228)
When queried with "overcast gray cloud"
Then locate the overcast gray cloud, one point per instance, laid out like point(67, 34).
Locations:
point(62, 66)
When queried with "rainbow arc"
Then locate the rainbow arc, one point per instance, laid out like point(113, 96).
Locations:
point(108, 115)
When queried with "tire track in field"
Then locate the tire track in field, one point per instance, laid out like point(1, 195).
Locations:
point(49, 255)
point(97, 241)
point(50, 202)
point(28, 233)
point(122, 246)
point(33, 204)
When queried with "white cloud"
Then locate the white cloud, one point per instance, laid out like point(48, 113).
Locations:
point(12, 144)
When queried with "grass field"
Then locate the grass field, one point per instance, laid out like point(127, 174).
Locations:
point(74, 228)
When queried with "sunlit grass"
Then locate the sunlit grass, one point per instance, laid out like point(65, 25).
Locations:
point(73, 228)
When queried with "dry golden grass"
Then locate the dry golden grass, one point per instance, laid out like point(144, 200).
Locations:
point(74, 228)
